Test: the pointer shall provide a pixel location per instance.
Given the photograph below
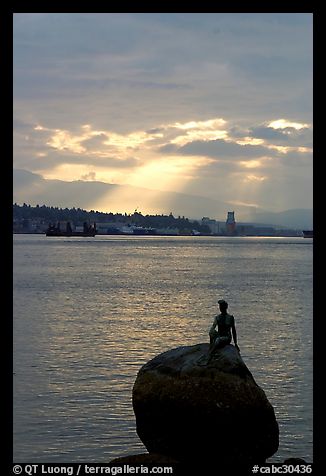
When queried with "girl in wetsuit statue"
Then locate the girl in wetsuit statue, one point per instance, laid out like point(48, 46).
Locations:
point(225, 324)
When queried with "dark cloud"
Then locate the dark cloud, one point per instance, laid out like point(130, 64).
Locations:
point(287, 136)
point(238, 132)
point(111, 66)
point(54, 159)
point(218, 149)
point(268, 133)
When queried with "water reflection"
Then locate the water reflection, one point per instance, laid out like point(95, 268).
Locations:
point(88, 314)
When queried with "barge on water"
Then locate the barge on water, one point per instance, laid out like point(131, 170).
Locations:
point(308, 233)
point(55, 230)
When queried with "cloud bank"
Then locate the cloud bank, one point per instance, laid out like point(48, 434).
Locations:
point(217, 105)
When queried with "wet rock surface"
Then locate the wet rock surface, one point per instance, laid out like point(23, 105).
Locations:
point(189, 409)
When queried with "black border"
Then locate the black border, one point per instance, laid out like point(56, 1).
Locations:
point(7, 116)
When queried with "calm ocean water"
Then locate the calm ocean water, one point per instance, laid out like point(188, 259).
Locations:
point(89, 312)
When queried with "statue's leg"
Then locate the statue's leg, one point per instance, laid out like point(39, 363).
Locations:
point(217, 344)
point(224, 341)
point(213, 347)
point(212, 338)
point(213, 344)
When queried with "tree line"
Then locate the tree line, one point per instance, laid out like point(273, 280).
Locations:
point(78, 216)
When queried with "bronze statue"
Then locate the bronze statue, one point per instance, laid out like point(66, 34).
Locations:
point(225, 325)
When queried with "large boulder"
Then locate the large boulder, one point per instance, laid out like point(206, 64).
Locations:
point(193, 410)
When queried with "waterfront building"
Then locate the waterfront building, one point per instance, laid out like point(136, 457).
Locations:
point(212, 224)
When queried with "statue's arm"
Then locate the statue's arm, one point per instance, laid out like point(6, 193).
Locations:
point(213, 325)
point(234, 335)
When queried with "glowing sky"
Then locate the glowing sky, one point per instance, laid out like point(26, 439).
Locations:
point(214, 105)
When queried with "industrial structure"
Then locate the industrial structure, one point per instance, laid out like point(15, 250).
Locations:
point(230, 224)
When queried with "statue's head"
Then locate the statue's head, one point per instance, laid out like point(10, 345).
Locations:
point(223, 304)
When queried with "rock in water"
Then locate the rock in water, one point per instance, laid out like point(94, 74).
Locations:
point(192, 410)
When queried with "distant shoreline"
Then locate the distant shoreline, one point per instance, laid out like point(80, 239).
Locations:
point(175, 234)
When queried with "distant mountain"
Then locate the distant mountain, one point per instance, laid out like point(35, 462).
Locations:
point(33, 189)
point(296, 218)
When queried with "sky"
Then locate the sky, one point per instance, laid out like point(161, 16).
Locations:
point(214, 105)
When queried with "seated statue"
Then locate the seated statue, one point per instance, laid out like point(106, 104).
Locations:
point(225, 325)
